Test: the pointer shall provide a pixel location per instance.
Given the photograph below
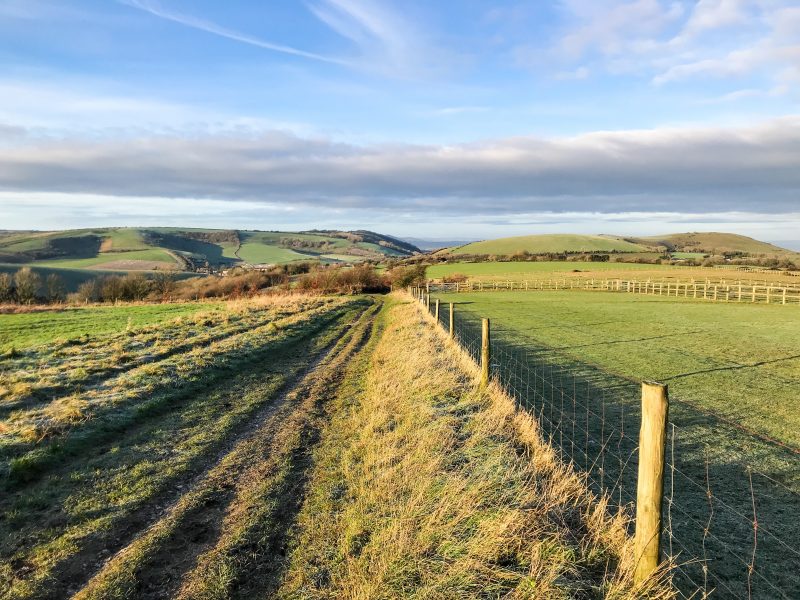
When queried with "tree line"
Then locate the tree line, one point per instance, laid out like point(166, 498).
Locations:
point(27, 287)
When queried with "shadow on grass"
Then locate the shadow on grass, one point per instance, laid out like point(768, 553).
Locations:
point(731, 497)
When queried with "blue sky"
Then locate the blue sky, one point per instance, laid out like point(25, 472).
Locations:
point(433, 119)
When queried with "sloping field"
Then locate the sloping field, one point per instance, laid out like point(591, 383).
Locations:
point(133, 260)
point(285, 447)
point(540, 244)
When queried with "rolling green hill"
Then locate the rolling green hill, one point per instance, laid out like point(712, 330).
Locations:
point(547, 243)
point(713, 243)
point(187, 249)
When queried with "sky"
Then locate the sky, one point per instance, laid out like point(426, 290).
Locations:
point(455, 119)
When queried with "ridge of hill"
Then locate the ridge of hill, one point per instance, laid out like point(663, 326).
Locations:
point(550, 243)
point(714, 243)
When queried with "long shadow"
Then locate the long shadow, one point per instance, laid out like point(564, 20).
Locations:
point(731, 497)
point(736, 367)
point(288, 357)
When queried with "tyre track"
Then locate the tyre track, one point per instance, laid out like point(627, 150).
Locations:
point(154, 562)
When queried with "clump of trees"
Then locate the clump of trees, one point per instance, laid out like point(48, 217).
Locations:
point(26, 287)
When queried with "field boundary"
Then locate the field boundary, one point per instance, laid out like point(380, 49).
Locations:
point(692, 289)
point(721, 530)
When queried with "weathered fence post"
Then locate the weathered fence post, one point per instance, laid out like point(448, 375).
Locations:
point(428, 301)
point(452, 321)
point(650, 483)
point(436, 311)
point(485, 353)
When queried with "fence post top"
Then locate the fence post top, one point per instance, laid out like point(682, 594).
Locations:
point(654, 385)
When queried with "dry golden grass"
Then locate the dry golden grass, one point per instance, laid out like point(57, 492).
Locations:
point(427, 487)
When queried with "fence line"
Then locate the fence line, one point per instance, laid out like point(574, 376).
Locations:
point(724, 528)
point(700, 290)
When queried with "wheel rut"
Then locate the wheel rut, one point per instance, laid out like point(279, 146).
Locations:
point(241, 507)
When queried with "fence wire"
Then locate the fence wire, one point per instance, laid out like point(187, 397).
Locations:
point(730, 530)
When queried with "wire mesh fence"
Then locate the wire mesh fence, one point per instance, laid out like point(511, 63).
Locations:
point(731, 506)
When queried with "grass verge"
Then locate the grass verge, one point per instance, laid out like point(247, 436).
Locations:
point(426, 486)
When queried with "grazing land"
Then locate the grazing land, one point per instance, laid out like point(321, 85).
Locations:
point(296, 446)
point(733, 372)
point(739, 361)
point(32, 329)
point(520, 271)
point(555, 243)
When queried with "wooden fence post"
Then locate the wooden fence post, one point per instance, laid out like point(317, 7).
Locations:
point(452, 321)
point(436, 311)
point(428, 301)
point(485, 353)
point(650, 482)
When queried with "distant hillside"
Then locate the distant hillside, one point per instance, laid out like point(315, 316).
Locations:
point(713, 243)
point(426, 244)
point(187, 249)
point(549, 243)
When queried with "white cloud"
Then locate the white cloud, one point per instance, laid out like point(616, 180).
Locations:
point(680, 169)
point(714, 14)
point(661, 39)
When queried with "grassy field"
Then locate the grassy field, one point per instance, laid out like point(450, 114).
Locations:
point(734, 377)
point(539, 244)
point(741, 361)
point(29, 330)
point(520, 271)
point(282, 447)
point(257, 253)
point(150, 255)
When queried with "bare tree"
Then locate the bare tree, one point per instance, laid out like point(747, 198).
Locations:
point(6, 287)
point(88, 291)
point(27, 283)
point(55, 289)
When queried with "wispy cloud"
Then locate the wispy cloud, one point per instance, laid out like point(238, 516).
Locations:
point(385, 38)
point(670, 43)
point(156, 9)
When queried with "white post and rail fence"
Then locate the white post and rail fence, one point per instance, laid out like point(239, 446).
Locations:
point(766, 293)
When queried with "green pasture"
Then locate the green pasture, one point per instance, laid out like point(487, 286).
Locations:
point(739, 361)
point(258, 253)
point(28, 330)
point(537, 269)
point(126, 239)
point(152, 254)
point(538, 244)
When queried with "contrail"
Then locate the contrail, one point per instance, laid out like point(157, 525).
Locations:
point(189, 21)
